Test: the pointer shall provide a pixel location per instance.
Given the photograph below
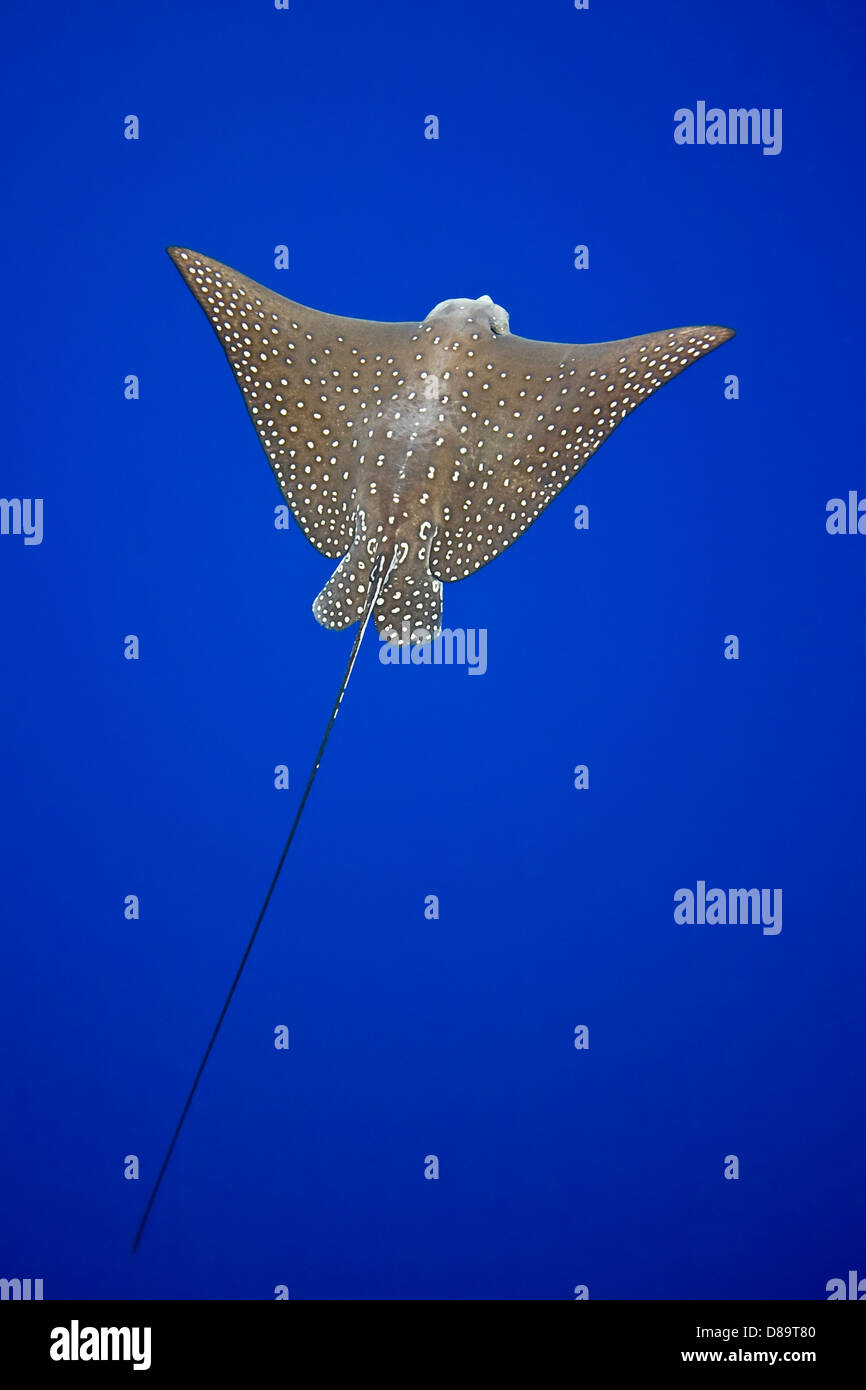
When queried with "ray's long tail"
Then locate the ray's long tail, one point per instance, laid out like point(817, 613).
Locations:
point(377, 579)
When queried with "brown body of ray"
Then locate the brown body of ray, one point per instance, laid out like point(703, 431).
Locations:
point(433, 443)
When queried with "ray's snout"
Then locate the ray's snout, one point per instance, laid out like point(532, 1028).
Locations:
point(458, 313)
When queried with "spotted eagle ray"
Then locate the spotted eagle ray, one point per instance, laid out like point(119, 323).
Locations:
point(414, 453)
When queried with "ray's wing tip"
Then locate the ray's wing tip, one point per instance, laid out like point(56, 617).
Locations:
point(179, 257)
point(184, 257)
point(722, 332)
point(179, 254)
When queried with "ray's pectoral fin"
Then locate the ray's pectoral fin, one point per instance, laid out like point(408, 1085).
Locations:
point(559, 403)
point(308, 380)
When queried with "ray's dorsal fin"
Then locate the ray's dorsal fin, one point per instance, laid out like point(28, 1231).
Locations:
point(309, 381)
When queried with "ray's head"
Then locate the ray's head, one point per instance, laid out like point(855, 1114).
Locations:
point(458, 314)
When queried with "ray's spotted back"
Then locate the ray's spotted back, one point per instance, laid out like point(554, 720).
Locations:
point(434, 443)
